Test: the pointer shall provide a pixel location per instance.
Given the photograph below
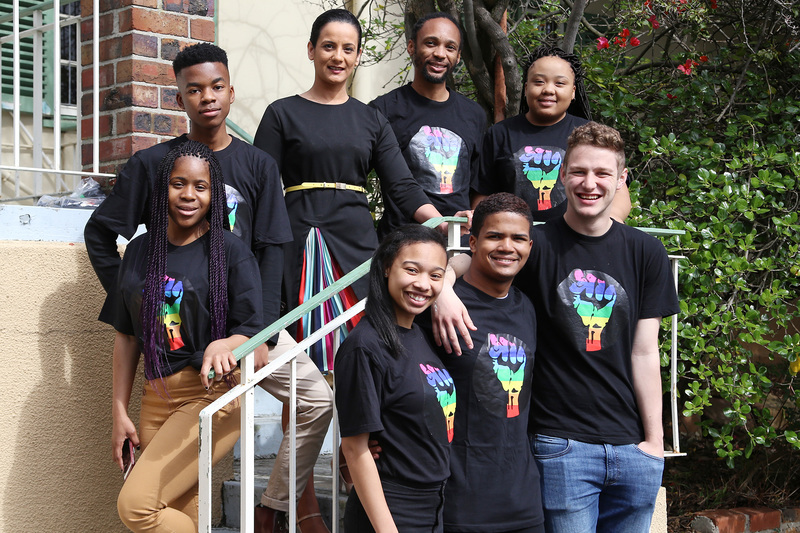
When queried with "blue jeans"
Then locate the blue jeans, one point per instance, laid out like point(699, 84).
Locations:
point(596, 487)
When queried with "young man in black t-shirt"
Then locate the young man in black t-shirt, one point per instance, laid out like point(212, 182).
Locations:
point(438, 129)
point(494, 483)
point(600, 289)
point(257, 214)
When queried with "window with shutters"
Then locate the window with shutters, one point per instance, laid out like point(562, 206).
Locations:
point(67, 43)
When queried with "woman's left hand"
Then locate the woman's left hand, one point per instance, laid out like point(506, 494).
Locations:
point(219, 357)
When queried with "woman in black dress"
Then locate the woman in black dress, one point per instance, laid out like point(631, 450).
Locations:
point(326, 143)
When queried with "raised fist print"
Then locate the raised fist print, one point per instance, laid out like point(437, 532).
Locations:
point(445, 389)
point(541, 167)
point(173, 294)
point(508, 360)
point(594, 301)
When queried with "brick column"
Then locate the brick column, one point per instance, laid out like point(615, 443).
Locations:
point(138, 41)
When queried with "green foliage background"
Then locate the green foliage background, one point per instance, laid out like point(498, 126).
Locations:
point(716, 153)
point(714, 148)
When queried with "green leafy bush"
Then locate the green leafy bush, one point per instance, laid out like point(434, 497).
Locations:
point(715, 152)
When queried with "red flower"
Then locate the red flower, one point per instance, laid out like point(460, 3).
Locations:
point(602, 42)
point(703, 59)
point(653, 22)
point(635, 41)
point(686, 68)
point(620, 41)
point(671, 96)
point(648, 3)
point(713, 4)
point(625, 33)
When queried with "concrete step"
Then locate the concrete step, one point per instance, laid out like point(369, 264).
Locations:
point(263, 466)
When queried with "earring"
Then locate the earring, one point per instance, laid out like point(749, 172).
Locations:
point(386, 274)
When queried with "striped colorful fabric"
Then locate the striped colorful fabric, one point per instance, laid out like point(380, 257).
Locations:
point(320, 270)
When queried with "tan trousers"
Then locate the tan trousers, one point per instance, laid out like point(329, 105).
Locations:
point(160, 494)
point(314, 413)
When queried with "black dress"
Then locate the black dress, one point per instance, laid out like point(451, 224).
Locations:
point(341, 143)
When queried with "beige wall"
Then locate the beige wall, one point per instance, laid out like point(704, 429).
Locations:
point(56, 472)
point(50, 182)
point(266, 45)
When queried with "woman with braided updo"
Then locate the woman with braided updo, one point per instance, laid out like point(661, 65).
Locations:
point(522, 155)
point(189, 294)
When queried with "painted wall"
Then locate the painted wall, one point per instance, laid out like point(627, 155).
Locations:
point(56, 472)
point(27, 182)
point(266, 45)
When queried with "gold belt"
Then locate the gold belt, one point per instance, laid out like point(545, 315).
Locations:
point(325, 185)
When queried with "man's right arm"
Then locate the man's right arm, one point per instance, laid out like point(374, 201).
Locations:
point(101, 245)
point(119, 214)
point(449, 316)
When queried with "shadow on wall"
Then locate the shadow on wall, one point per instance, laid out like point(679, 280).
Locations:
point(61, 476)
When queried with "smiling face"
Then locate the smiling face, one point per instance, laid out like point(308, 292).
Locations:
point(189, 199)
point(549, 90)
point(206, 94)
point(499, 252)
point(415, 279)
point(436, 51)
point(336, 53)
point(591, 176)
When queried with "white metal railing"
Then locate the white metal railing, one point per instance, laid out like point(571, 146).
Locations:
point(244, 393)
point(40, 164)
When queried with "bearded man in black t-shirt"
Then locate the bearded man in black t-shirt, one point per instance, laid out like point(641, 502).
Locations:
point(439, 130)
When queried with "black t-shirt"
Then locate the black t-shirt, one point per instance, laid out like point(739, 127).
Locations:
point(256, 210)
point(494, 482)
point(440, 142)
point(523, 159)
point(407, 403)
point(589, 294)
point(342, 143)
point(187, 330)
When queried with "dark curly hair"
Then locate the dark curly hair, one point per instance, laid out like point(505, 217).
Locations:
point(500, 202)
point(580, 105)
point(197, 54)
point(412, 34)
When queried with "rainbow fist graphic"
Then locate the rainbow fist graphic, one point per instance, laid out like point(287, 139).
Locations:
point(506, 356)
point(543, 173)
point(445, 389)
point(594, 301)
point(173, 294)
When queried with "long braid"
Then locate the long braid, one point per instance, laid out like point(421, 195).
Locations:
point(580, 106)
point(153, 311)
point(217, 267)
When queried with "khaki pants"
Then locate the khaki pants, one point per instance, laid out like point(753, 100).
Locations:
point(160, 494)
point(314, 413)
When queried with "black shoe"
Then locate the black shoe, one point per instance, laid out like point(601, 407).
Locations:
point(268, 520)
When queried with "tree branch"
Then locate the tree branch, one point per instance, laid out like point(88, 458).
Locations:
point(743, 74)
point(472, 38)
point(507, 57)
point(573, 24)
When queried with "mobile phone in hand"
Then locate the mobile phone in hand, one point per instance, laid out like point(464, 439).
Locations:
point(128, 458)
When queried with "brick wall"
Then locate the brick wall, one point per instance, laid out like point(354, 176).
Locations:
point(138, 41)
point(747, 520)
